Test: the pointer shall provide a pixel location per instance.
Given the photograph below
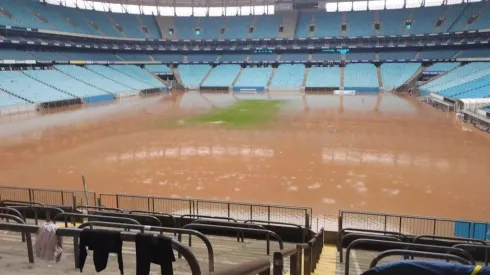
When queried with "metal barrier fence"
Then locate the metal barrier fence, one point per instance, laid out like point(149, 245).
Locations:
point(247, 211)
point(47, 196)
point(147, 203)
point(409, 225)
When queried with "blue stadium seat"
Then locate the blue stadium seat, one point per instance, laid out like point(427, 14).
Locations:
point(192, 75)
point(253, 78)
point(395, 75)
point(134, 57)
point(186, 27)
point(237, 27)
point(288, 77)
point(232, 57)
point(360, 56)
point(49, 56)
point(94, 79)
point(158, 69)
point(294, 57)
point(117, 76)
point(393, 21)
point(396, 55)
point(327, 24)
point(437, 54)
point(442, 67)
point(202, 57)
point(168, 57)
point(222, 76)
point(267, 26)
point(8, 54)
point(8, 100)
point(149, 22)
point(360, 23)
point(474, 53)
point(323, 77)
point(270, 57)
point(139, 74)
point(25, 87)
point(325, 57)
point(129, 23)
point(211, 26)
point(361, 77)
point(304, 21)
point(93, 56)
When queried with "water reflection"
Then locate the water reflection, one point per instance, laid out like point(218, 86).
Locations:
point(193, 151)
point(358, 156)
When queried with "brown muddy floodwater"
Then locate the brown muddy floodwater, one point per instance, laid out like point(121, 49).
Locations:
point(365, 153)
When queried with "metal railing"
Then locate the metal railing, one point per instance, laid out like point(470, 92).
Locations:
point(431, 255)
point(406, 224)
point(75, 233)
point(161, 230)
point(47, 196)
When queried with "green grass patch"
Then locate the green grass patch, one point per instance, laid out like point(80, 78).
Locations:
point(244, 113)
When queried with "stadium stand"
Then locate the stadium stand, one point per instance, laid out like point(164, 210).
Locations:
point(93, 79)
point(119, 77)
point(8, 100)
point(288, 77)
point(396, 55)
point(49, 56)
point(237, 27)
point(186, 27)
point(210, 27)
point(458, 77)
point(392, 21)
point(325, 56)
point(262, 57)
point(323, 77)
point(304, 20)
point(296, 57)
point(442, 67)
point(396, 74)
point(233, 57)
point(193, 75)
point(360, 23)
point(93, 56)
point(253, 79)
point(158, 69)
point(168, 57)
point(8, 54)
point(474, 53)
point(360, 56)
point(129, 24)
point(101, 22)
point(133, 71)
point(438, 54)
point(27, 88)
point(69, 85)
point(361, 77)
point(222, 76)
point(134, 57)
point(266, 26)
point(327, 25)
point(202, 57)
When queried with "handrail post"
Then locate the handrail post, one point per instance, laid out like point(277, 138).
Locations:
point(268, 245)
point(293, 263)
point(307, 260)
point(278, 263)
point(299, 260)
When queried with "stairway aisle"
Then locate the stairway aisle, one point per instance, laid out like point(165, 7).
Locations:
point(327, 265)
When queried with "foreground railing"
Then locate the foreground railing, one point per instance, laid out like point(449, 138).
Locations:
point(75, 233)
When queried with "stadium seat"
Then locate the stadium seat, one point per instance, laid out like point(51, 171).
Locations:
point(361, 77)
point(254, 78)
point(8, 100)
point(139, 74)
point(29, 89)
point(323, 77)
point(117, 76)
point(288, 77)
point(192, 75)
point(222, 76)
point(396, 74)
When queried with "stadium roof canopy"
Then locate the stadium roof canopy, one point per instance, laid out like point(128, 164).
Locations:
point(242, 7)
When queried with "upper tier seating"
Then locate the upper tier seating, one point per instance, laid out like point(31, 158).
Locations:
point(202, 57)
point(211, 26)
point(396, 74)
point(254, 77)
point(134, 57)
point(93, 79)
point(119, 77)
point(94, 56)
point(321, 77)
point(474, 53)
point(360, 56)
point(158, 69)
point(8, 100)
point(49, 56)
point(263, 57)
point(325, 56)
point(222, 76)
point(192, 75)
point(129, 24)
point(33, 14)
point(133, 71)
point(167, 57)
point(237, 27)
point(442, 67)
point(64, 83)
point(294, 57)
point(459, 76)
point(360, 77)
point(233, 57)
point(396, 55)
point(473, 88)
point(8, 54)
point(288, 77)
point(266, 26)
point(25, 87)
point(437, 54)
